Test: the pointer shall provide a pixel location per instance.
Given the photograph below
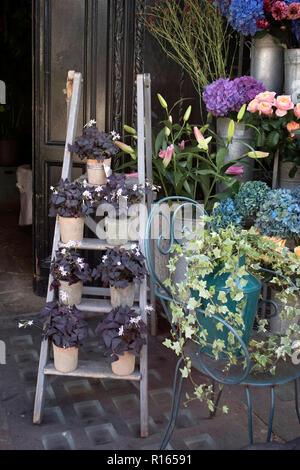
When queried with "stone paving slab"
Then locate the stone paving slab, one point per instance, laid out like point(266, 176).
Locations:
point(99, 414)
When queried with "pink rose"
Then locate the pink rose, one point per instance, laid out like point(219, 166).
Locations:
point(265, 108)
point(235, 170)
point(253, 106)
point(297, 110)
point(267, 96)
point(284, 103)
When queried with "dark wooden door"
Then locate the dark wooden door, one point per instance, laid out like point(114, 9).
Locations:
point(103, 40)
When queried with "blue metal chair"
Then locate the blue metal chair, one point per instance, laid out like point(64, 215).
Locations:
point(163, 239)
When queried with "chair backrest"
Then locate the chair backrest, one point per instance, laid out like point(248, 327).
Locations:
point(173, 220)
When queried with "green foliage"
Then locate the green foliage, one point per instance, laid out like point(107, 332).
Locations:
point(224, 250)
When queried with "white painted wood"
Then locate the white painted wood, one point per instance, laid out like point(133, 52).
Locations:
point(91, 306)
point(93, 369)
point(95, 244)
point(144, 417)
point(98, 306)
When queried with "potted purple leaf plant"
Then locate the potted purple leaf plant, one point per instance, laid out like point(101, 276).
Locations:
point(97, 148)
point(123, 334)
point(121, 269)
point(122, 197)
point(69, 272)
point(71, 202)
point(64, 326)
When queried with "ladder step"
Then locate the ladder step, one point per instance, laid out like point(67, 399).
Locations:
point(96, 244)
point(98, 306)
point(104, 291)
point(93, 369)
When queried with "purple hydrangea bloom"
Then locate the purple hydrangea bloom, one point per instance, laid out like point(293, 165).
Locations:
point(244, 14)
point(224, 95)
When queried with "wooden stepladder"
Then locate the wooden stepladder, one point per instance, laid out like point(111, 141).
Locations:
point(99, 304)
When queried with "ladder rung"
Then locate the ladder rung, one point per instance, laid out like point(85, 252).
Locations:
point(96, 244)
point(93, 369)
point(98, 306)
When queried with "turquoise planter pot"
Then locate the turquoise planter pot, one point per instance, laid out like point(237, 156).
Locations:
point(251, 296)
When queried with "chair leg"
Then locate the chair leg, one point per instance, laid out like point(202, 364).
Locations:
point(212, 414)
point(296, 399)
point(250, 428)
point(177, 388)
point(271, 414)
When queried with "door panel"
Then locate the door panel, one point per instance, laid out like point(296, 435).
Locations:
point(100, 39)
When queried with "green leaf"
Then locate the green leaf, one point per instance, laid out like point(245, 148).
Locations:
point(220, 157)
point(159, 141)
point(272, 139)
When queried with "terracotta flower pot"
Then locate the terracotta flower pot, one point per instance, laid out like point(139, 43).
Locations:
point(65, 360)
point(70, 294)
point(122, 297)
point(125, 365)
point(71, 229)
point(98, 171)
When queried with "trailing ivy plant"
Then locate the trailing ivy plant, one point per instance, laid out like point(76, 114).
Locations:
point(223, 250)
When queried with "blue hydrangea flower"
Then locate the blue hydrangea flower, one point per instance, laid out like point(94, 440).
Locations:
point(244, 14)
point(225, 214)
point(279, 215)
point(250, 197)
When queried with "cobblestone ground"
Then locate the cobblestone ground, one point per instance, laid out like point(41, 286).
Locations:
point(85, 414)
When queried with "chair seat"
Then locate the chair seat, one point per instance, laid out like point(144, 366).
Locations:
point(285, 372)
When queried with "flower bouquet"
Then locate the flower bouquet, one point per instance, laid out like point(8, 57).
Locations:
point(278, 121)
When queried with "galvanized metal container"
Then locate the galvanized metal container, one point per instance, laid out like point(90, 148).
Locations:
point(237, 148)
point(284, 180)
point(267, 63)
point(292, 73)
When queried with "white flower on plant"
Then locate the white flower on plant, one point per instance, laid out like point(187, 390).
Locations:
point(85, 183)
point(99, 189)
point(115, 135)
point(149, 308)
point(119, 263)
point(87, 194)
point(63, 251)
point(137, 253)
point(133, 247)
point(135, 320)
point(119, 192)
point(104, 258)
point(62, 270)
point(20, 325)
point(80, 260)
point(121, 331)
point(135, 187)
point(52, 188)
point(30, 323)
point(91, 123)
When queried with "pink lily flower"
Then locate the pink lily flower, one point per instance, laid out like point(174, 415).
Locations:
point(132, 175)
point(202, 142)
point(182, 145)
point(167, 155)
point(235, 170)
